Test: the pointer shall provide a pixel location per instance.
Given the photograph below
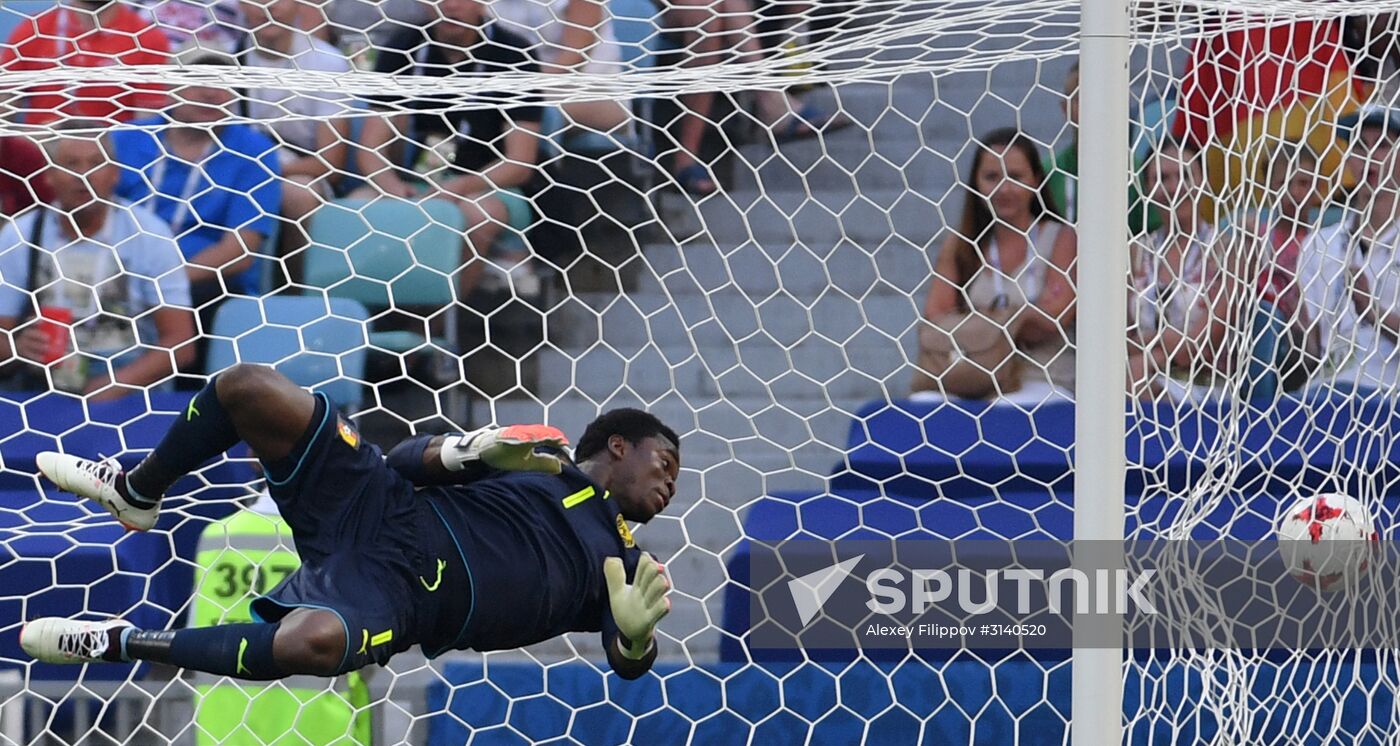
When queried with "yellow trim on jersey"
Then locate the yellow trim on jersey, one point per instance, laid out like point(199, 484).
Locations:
point(381, 638)
point(578, 497)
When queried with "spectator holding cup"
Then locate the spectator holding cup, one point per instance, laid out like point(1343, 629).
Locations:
point(94, 299)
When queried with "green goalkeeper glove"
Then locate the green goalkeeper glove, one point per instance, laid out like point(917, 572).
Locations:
point(506, 448)
point(637, 608)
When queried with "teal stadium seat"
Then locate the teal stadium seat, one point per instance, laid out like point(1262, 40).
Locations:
point(389, 253)
point(318, 342)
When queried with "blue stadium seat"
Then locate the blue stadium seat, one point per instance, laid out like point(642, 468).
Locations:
point(876, 515)
point(965, 449)
point(910, 701)
point(31, 422)
point(62, 555)
point(319, 343)
point(913, 701)
point(957, 448)
point(389, 253)
point(975, 470)
point(725, 703)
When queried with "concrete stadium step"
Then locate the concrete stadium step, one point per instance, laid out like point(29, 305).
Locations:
point(810, 372)
point(910, 135)
point(818, 218)
point(803, 271)
point(728, 316)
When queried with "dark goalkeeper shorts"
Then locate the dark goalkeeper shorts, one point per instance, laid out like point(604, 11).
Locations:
point(366, 542)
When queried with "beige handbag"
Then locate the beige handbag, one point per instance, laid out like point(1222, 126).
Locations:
point(969, 355)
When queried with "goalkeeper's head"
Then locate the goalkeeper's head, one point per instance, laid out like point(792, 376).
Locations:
point(635, 457)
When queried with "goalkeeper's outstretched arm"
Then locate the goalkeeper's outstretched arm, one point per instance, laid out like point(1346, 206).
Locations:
point(459, 458)
point(633, 612)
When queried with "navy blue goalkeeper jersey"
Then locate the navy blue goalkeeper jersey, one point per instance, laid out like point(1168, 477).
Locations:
point(499, 560)
point(533, 546)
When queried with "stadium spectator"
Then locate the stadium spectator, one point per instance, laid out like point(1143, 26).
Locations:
point(216, 184)
point(718, 31)
point(207, 24)
point(494, 167)
point(1012, 255)
point(86, 33)
point(313, 140)
point(570, 36)
point(100, 268)
point(1282, 348)
point(1182, 300)
point(1350, 289)
point(1362, 131)
point(1359, 132)
point(1295, 189)
point(1063, 170)
point(22, 165)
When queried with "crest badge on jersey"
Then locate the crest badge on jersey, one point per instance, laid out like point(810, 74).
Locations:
point(347, 433)
point(625, 533)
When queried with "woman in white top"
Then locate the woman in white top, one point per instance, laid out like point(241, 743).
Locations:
point(1181, 303)
point(1012, 250)
point(571, 36)
point(1350, 278)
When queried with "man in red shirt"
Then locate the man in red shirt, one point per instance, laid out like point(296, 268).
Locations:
point(87, 33)
point(22, 166)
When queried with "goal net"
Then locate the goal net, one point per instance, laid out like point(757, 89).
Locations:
point(832, 244)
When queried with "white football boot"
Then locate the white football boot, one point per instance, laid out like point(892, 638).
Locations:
point(59, 640)
point(97, 481)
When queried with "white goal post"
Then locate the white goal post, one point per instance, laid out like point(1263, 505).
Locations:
point(1100, 462)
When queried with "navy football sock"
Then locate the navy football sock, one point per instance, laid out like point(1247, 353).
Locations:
point(242, 651)
point(200, 433)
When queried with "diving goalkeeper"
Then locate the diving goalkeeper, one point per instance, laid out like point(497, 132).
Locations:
point(490, 540)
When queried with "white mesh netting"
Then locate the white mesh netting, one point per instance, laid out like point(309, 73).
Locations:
point(761, 221)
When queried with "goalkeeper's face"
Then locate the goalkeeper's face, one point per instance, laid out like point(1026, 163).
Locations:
point(643, 475)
